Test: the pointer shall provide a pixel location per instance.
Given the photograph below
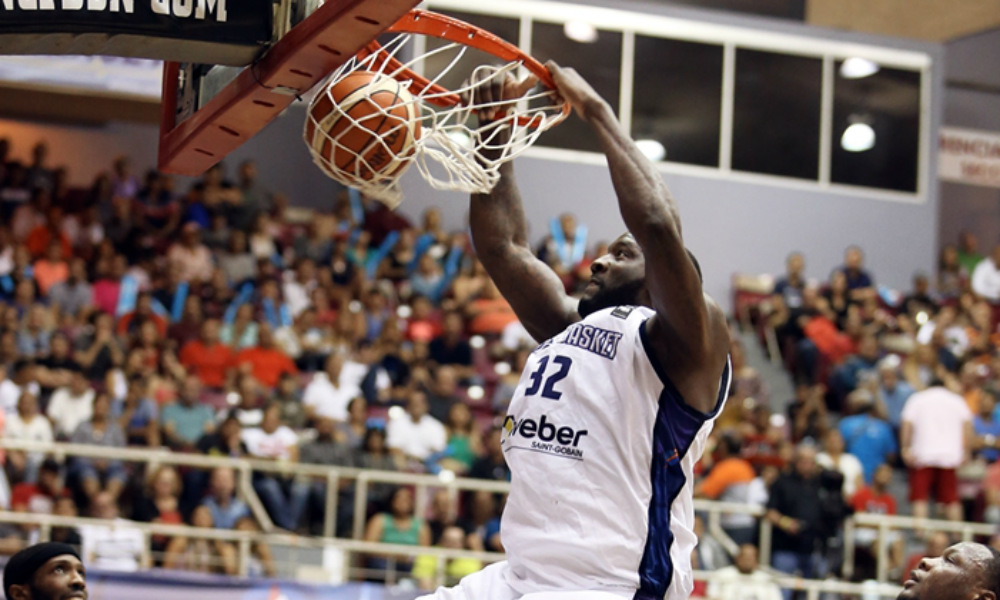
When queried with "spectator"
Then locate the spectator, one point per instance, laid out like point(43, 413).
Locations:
point(451, 347)
point(856, 369)
point(70, 406)
point(397, 525)
point(920, 299)
point(968, 251)
point(30, 425)
point(376, 456)
point(490, 313)
point(130, 324)
point(160, 503)
point(97, 475)
point(190, 256)
point(443, 392)
point(892, 391)
point(255, 198)
point(833, 458)
point(40, 497)
point(52, 269)
point(876, 499)
point(22, 379)
point(299, 285)
point(138, 414)
point(186, 420)
point(206, 357)
point(743, 580)
point(482, 521)
point(426, 568)
point(265, 361)
point(329, 392)
point(859, 281)
point(415, 435)
point(865, 435)
point(117, 546)
point(108, 284)
point(352, 432)
point(74, 294)
point(936, 439)
point(289, 397)
point(33, 340)
point(238, 263)
point(273, 440)
point(807, 413)
point(189, 326)
point(729, 481)
point(952, 277)
point(986, 276)
point(309, 493)
point(795, 509)
point(225, 508)
point(491, 465)
point(464, 444)
point(241, 331)
point(99, 352)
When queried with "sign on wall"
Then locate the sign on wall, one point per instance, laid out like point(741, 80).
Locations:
point(969, 156)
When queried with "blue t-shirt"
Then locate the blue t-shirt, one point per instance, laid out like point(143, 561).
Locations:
point(189, 421)
point(870, 439)
point(895, 400)
point(991, 427)
point(226, 518)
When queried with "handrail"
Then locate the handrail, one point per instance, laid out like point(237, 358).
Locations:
point(813, 587)
point(423, 483)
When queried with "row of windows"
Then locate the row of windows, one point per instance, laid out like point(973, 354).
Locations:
point(677, 98)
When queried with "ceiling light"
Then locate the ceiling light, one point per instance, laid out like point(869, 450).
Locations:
point(857, 68)
point(652, 149)
point(580, 31)
point(858, 137)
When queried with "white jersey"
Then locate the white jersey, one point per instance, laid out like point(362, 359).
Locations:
point(601, 448)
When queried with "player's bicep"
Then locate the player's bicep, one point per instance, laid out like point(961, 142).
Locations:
point(533, 290)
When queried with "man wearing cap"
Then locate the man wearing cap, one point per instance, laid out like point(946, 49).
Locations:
point(47, 571)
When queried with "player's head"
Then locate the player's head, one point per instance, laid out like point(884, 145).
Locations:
point(48, 571)
point(619, 277)
point(964, 571)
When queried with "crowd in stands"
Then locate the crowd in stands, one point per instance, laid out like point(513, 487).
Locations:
point(223, 320)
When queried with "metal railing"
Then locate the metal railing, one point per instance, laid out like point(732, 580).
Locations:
point(423, 485)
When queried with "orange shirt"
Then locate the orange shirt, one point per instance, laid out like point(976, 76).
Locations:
point(40, 238)
point(48, 274)
point(725, 473)
point(209, 363)
point(267, 365)
point(491, 316)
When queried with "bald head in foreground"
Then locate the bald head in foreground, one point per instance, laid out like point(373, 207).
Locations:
point(965, 571)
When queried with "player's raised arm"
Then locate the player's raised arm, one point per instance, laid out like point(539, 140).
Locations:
point(689, 331)
point(499, 234)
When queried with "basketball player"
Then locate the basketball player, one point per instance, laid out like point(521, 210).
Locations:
point(47, 571)
point(614, 406)
point(965, 571)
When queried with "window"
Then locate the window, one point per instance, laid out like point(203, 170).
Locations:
point(776, 114)
point(677, 98)
point(599, 62)
point(887, 101)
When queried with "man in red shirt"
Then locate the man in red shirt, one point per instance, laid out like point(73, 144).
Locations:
point(39, 498)
point(876, 499)
point(265, 361)
point(206, 357)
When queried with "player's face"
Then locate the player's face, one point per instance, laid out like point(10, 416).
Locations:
point(61, 578)
point(958, 573)
point(617, 278)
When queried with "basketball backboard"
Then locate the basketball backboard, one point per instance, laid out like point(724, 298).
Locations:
point(210, 110)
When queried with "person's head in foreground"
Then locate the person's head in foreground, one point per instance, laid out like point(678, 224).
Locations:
point(619, 277)
point(47, 571)
point(965, 571)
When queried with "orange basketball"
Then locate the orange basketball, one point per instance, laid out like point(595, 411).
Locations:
point(363, 126)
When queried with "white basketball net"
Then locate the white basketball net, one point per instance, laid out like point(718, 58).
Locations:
point(449, 151)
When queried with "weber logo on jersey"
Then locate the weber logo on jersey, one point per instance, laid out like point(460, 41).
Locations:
point(602, 342)
point(543, 436)
point(199, 9)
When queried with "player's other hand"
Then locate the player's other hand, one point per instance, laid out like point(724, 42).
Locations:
point(496, 92)
point(573, 88)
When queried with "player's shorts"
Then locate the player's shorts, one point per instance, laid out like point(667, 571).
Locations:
point(491, 584)
point(943, 483)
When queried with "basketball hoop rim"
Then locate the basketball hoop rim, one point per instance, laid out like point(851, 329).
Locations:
point(447, 28)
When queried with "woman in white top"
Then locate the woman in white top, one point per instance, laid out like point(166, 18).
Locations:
point(27, 424)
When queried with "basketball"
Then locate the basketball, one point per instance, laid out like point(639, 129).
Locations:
point(363, 126)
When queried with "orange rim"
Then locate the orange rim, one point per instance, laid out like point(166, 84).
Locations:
point(453, 30)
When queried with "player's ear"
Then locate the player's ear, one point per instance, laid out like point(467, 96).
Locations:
point(984, 594)
point(20, 592)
